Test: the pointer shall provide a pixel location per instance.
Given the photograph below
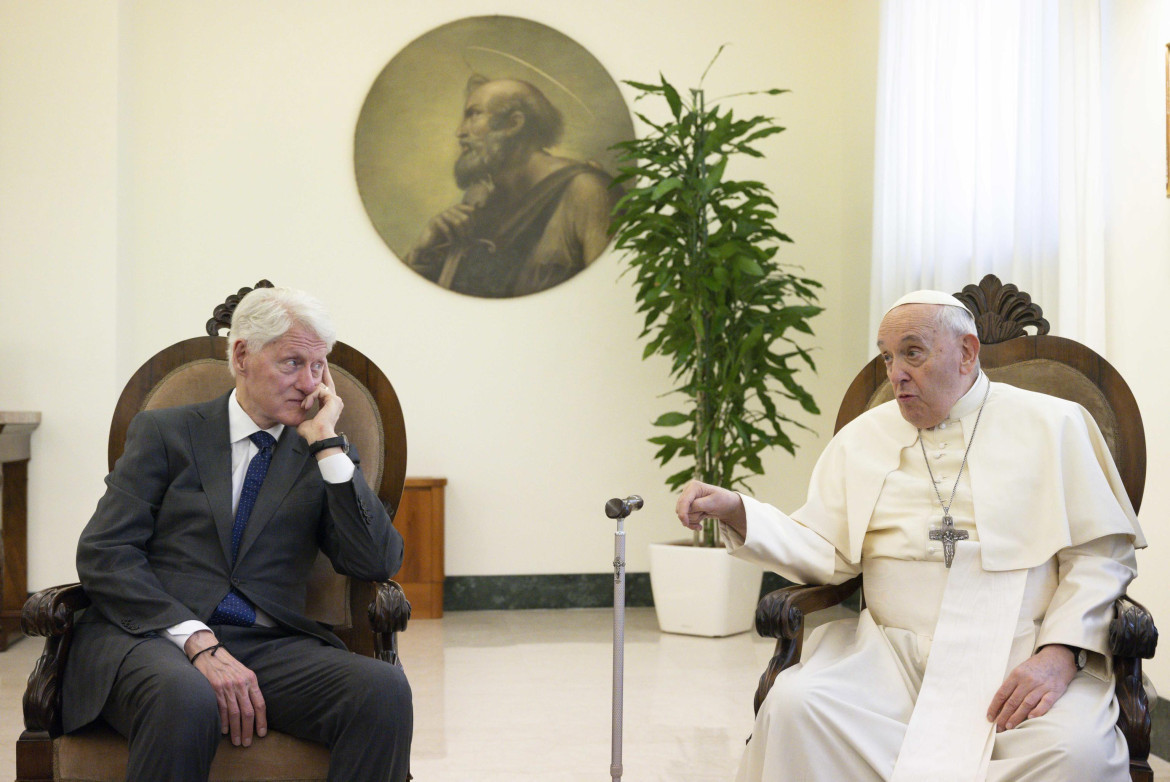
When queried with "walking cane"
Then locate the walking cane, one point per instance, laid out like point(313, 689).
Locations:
point(618, 509)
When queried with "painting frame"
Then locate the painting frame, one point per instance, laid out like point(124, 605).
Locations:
point(484, 156)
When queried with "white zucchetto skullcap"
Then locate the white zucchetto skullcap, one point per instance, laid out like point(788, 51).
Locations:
point(927, 297)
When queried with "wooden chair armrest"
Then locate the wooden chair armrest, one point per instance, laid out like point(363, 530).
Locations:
point(1132, 638)
point(1132, 633)
point(49, 613)
point(389, 612)
point(780, 615)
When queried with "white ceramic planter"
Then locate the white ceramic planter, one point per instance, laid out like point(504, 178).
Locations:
point(703, 591)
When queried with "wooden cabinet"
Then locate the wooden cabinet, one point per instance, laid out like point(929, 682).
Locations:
point(420, 521)
point(15, 429)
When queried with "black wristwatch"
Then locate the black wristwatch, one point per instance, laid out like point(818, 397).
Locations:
point(1080, 656)
point(340, 441)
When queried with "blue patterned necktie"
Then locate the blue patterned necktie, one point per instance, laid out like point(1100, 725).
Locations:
point(234, 609)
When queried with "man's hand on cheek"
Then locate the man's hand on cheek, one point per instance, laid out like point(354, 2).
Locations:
point(324, 423)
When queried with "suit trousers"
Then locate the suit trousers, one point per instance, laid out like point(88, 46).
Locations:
point(357, 706)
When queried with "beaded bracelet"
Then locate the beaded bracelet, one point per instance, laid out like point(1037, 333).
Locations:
point(212, 649)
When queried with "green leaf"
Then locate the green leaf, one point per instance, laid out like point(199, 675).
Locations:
point(748, 266)
point(715, 173)
point(672, 419)
point(672, 98)
point(675, 482)
point(664, 187)
point(643, 86)
point(718, 52)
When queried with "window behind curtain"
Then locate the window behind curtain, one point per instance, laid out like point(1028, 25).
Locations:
point(988, 154)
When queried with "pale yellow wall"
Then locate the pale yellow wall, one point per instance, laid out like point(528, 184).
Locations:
point(1136, 33)
point(156, 155)
point(59, 266)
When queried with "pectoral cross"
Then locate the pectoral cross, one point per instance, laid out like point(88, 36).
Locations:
point(948, 535)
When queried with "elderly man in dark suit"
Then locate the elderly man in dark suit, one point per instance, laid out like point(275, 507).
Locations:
point(196, 561)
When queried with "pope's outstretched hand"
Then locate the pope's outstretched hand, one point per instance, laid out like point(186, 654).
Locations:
point(700, 501)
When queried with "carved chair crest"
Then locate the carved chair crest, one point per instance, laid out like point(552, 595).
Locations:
point(221, 317)
point(1001, 311)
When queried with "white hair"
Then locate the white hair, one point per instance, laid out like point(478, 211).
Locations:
point(957, 321)
point(267, 314)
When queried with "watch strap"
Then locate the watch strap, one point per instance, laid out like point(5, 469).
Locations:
point(340, 441)
point(1080, 656)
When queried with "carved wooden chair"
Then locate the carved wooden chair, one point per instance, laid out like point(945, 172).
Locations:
point(367, 617)
point(1038, 362)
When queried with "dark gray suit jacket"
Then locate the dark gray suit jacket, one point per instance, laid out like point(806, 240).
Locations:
point(157, 551)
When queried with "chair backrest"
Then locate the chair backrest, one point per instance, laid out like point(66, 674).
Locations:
point(196, 370)
point(1038, 362)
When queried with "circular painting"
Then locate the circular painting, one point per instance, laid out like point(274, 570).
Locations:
point(482, 155)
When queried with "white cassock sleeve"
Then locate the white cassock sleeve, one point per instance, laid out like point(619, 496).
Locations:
point(779, 543)
point(1090, 577)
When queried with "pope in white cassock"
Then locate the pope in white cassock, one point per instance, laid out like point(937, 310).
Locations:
point(994, 533)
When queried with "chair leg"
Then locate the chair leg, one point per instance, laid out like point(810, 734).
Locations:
point(1140, 771)
point(1134, 718)
point(34, 757)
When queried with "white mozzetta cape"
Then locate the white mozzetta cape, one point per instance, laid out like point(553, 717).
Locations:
point(1042, 479)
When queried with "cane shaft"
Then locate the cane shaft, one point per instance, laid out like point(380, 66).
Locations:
point(619, 640)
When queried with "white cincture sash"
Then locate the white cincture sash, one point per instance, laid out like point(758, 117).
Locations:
point(949, 738)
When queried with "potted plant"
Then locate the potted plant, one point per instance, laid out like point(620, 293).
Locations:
point(721, 306)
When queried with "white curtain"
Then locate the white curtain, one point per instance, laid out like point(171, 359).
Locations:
point(989, 154)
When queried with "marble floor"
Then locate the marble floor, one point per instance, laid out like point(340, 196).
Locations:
point(525, 695)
